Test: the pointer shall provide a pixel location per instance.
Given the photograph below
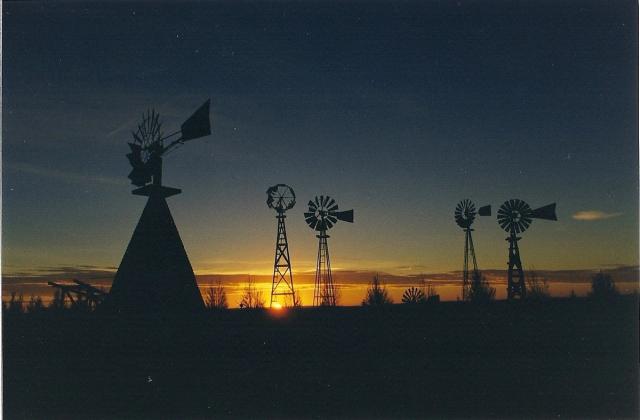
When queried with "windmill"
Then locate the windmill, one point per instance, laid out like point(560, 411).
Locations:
point(155, 274)
point(465, 214)
point(515, 216)
point(322, 215)
point(281, 198)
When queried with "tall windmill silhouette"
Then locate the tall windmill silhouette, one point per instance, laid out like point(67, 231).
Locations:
point(515, 216)
point(281, 198)
point(323, 214)
point(155, 274)
point(465, 214)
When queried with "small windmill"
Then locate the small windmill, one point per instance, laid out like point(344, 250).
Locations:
point(155, 274)
point(465, 214)
point(515, 216)
point(281, 198)
point(322, 215)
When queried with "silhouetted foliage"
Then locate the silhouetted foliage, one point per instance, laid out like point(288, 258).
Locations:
point(35, 305)
point(413, 295)
point(537, 287)
point(216, 297)
point(58, 302)
point(297, 300)
point(377, 294)
point(480, 290)
point(251, 298)
point(603, 287)
point(15, 305)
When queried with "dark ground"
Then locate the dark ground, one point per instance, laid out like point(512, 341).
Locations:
point(563, 358)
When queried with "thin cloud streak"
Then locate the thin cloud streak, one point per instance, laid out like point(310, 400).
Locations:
point(593, 215)
point(70, 177)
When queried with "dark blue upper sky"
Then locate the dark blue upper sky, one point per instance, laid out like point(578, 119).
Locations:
point(396, 109)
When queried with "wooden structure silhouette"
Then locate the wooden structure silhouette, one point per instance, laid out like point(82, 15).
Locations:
point(81, 292)
point(155, 274)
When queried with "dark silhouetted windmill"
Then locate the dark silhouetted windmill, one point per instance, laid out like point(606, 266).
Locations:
point(155, 274)
point(281, 198)
point(322, 215)
point(465, 214)
point(515, 216)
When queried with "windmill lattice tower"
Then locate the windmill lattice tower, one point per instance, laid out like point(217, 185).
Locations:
point(465, 214)
point(322, 215)
point(281, 198)
point(515, 216)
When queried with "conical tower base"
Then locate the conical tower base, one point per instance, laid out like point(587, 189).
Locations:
point(155, 274)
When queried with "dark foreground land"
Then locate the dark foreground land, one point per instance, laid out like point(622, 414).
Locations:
point(564, 358)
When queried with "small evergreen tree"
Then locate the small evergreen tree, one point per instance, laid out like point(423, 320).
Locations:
point(479, 290)
point(603, 287)
point(377, 294)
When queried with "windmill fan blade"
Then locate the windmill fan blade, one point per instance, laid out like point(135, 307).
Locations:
point(485, 210)
point(198, 124)
point(345, 216)
point(332, 218)
point(547, 212)
point(312, 205)
point(308, 215)
point(330, 205)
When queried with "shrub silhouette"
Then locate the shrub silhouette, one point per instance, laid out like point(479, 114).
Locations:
point(602, 287)
point(413, 295)
point(251, 298)
point(15, 305)
point(35, 305)
point(216, 297)
point(377, 294)
point(537, 287)
point(479, 289)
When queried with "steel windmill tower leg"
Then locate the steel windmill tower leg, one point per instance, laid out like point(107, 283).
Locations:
point(469, 253)
point(282, 281)
point(324, 290)
point(516, 288)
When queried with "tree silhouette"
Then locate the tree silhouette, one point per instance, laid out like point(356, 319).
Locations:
point(537, 287)
point(602, 287)
point(377, 294)
point(216, 297)
point(479, 289)
point(15, 304)
point(252, 297)
point(35, 305)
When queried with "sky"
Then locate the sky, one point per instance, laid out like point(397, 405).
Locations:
point(398, 110)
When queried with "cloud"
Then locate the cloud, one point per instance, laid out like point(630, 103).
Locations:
point(591, 215)
point(70, 177)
